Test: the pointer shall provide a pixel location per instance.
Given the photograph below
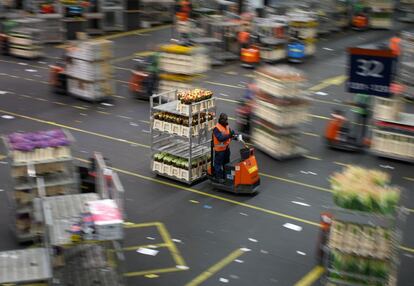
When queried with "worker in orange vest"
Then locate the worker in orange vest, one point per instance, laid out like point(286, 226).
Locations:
point(244, 38)
point(222, 136)
point(335, 126)
point(395, 45)
point(183, 10)
point(325, 226)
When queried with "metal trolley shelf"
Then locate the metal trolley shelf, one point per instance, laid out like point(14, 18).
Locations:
point(26, 266)
point(187, 148)
point(366, 236)
point(281, 107)
point(58, 178)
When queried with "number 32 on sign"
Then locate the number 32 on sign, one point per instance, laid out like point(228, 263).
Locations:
point(370, 71)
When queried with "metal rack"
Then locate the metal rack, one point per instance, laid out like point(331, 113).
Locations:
point(381, 13)
point(58, 178)
point(272, 33)
point(28, 266)
point(304, 24)
point(181, 65)
point(365, 236)
point(113, 14)
point(89, 71)
point(393, 132)
point(281, 106)
point(406, 8)
point(190, 145)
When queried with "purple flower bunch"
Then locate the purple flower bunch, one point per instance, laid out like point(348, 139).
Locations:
point(27, 142)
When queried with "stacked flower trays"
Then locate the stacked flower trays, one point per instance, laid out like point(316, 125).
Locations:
point(406, 63)
point(393, 132)
point(362, 247)
point(381, 13)
point(89, 71)
point(305, 26)
point(342, 18)
point(181, 124)
point(407, 11)
point(273, 38)
point(25, 43)
point(180, 66)
point(281, 106)
point(46, 154)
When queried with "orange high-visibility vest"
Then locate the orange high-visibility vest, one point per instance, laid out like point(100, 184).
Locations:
point(332, 130)
point(185, 9)
point(244, 37)
point(221, 146)
point(395, 46)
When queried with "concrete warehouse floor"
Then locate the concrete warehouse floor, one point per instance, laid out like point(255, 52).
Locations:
point(199, 228)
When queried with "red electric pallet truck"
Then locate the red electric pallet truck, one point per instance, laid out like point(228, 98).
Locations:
point(241, 176)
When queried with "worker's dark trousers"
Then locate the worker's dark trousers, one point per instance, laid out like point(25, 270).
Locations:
point(220, 160)
point(362, 121)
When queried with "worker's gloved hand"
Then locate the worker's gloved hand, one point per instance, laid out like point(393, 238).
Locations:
point(239, 138)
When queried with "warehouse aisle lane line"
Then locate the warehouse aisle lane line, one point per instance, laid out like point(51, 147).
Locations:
point(216, 268)
point(75, 129)
point(260, 209)
point(296, 183)
point(148, 147)
point(311, 277)
point(176, 186)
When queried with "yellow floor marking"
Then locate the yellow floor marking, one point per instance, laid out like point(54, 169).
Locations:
point(122, 59)
point(143, 54)
point(75, 129)
point(121, 34)
point(337, 80)
point(311, 277)
point(223, 84)
point(124, 69)
point(79, 107)
point(178, 259)
point(133, 248)
point(296, 183)
point(195, 191)
point(121, 81)
point(341, 164)
point(215, 268)
point(151, 276)
point(231, 72)
point(409, 179)
point(130, 224)
point(311, 134)
point(132, 32)
point(59, 103)
point(408, 249)
point(144, 121)
point(2, 157)
point(312, 158)
point(155, 271)
point(171, 184)
point(318, 116)
point(249, 75)
point(103, 112)
point(165, 183)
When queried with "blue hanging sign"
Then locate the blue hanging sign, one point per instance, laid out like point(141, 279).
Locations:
point(370, 71)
